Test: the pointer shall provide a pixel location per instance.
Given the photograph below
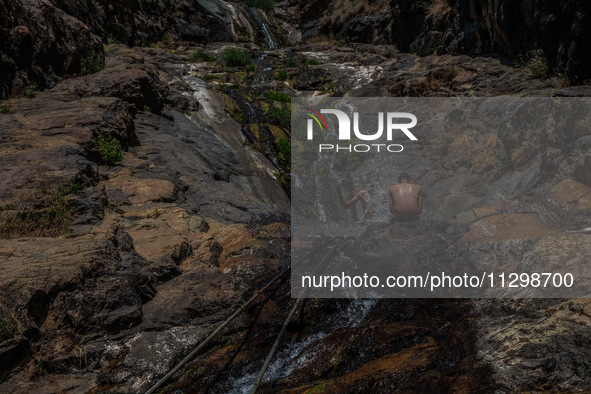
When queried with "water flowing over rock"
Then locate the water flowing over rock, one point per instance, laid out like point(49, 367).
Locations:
point(111, 270)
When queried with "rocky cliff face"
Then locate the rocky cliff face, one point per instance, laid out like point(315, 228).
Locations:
point(509, 28)
point(40, 42)
point(85, 245)
point(43, 41)
point(111, 271)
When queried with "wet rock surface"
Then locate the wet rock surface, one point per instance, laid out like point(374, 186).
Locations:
point(151, 255)
point(137, 262)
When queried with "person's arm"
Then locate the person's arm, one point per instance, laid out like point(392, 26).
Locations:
point(344, 202)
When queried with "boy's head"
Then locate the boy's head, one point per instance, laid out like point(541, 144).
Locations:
point(404, 176)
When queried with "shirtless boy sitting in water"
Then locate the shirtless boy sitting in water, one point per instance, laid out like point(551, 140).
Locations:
point(406, 201)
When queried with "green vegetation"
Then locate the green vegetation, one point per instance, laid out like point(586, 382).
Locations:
point(30, 90)
point(318, 387)
point(281, 75)
point(50, 217)
point(563, 81)
point(291, 62)
point(8, 325)
point(69, 187)
point(278, 96)
point(167, 41)
point(284, 148)
point(5, 108)
point(283, 182)
point(266, 5)
point(439, 10)
point(236, 57)
point(110, 149)
point(251, 68)
point(94, 62)
point(536, 63)
point(41, 368)
point(280, 116)
point(313, 62)
point(200, 54)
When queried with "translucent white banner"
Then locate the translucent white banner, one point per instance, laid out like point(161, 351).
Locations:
point(440, 197)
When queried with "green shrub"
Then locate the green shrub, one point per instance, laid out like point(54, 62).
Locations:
point(94, 62)
point(291, 63)
point(266, 5)
point(283, 180)
point(110, 149)
point(30, 89)
point(251, 68)
point(5, 109)
point(236, 57)
point(278, 96)
point(313, 62)
point(280, 116)
point(281, 75)
point(537, 64)
point(284, 148)
point(200, 54)
point(166, 42)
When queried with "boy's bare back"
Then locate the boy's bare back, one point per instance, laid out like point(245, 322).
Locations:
point(405, 201)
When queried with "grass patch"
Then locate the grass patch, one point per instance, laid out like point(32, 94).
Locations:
point(284, 148)
point(167, 41)
point(6, 108)
point(439, 10)
point(283, 182)
point(313, 62)
point(278, 96)
point(8, 325)
point(236, 57)
point(51, 217)
point(536, 63)
point(563, 81)
point(30, 90)
point(318, 387)
point(281, 75)
point(110, 149)
point(200, 55)
point(94, 62)
point(280, 116)
point(290, 63)
point(266, 5)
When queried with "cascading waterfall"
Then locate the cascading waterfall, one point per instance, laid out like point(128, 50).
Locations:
point(269, 38)
point(294, 355)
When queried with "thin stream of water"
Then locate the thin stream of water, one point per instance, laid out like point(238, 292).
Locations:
point(294, 355)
